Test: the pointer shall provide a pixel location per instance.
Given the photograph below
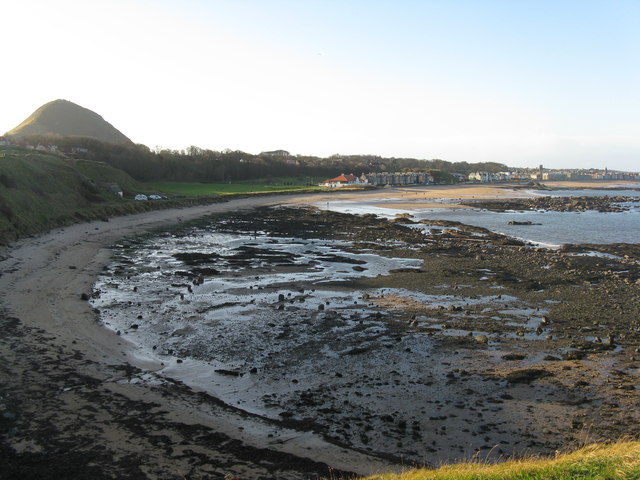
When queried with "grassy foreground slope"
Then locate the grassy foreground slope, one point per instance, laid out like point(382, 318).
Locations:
point(39, 191)
point(599, 461)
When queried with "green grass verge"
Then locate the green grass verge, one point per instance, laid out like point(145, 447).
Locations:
point(300, 180)
point(619, 460)
point(39, 192)
point(174, 188)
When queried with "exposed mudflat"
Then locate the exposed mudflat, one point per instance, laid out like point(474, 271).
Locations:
point(435, 341)
point(78, 401)
point(417, 342)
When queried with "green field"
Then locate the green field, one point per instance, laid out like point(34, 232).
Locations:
point(174, 188)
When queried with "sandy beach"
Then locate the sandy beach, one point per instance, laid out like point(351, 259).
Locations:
point(437, 196)
point(419, 196)
point(80, 389)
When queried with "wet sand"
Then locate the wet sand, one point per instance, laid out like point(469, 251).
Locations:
point(423, 194)
point(449, 196)
point(42, 281)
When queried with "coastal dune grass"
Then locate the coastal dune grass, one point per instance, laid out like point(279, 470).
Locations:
point(620, 460)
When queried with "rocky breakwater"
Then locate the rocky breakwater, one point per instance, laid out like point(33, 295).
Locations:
point(604, 204)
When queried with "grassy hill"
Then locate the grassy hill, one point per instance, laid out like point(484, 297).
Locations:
point(595, 462)
point(40, 191)
point(64, 118)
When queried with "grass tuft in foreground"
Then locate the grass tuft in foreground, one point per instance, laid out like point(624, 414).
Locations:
point(599, 461)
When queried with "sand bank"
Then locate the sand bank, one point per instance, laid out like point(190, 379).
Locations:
point(447, 196)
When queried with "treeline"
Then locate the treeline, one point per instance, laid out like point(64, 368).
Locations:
point(195, 164)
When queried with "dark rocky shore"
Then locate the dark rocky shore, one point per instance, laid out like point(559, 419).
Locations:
point(57, 423)
point(588, 338)
point(530, 350)
point(604, 204)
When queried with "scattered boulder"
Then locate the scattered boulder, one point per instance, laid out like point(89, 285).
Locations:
point(229, 373)
point(514, 356)
point(573, 355)
point(357, 351)
point(515, 222)
point(526, 375)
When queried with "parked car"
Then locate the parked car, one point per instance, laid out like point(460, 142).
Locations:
point(155, 197)
point(140, 197)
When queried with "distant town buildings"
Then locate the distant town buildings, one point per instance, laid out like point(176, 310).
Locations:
point(517, 175)
point(541, 174)
point(486, 177)
point(282, 155)
point(379, 179)
point(389, 178)
point(581, 174)
point(397, 178)
point(276, 153)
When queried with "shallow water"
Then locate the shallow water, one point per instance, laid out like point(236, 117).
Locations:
point(554, 229)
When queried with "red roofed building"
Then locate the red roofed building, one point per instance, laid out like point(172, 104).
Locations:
point(342, 181)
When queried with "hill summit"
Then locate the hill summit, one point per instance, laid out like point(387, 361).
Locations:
point(65, 118)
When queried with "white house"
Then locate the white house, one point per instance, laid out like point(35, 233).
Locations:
point(342, 181)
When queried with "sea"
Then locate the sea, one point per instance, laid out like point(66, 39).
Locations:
point(549, 229)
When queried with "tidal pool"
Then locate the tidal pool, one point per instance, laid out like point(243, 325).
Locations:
point(273, 326)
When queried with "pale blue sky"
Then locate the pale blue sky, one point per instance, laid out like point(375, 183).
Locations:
point(521, 82)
